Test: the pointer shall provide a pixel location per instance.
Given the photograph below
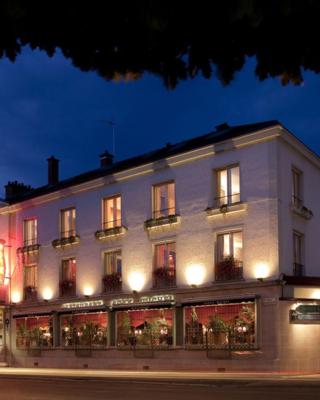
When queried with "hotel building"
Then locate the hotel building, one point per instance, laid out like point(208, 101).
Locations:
point(199, 255)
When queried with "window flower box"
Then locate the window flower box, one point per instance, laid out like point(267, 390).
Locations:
point(110, 232)
point(162, 221)
point(301, 210)
point(32, 248)
point(229, 269)
point(112, 282)
point(68, 288)
point(163, 278)
point(67, 241)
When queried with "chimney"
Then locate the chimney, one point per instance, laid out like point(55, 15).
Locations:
point(106, 159)
point(53, 171)
point(16, 189)
point(222, 127)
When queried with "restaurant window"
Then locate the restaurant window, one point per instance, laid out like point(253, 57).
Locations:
point(68, 277)
point(296, 187)
point(298, 241)
point(30, 278)
point(228, 186)
point(164, 265)
point(229, 258)
point(68, 223)
point(85, 330)
point(112, 212)
point(34, 332)
point(30, 233)
point(145, 328)
point(164, 200)
point(112, 278)
point(221, 326)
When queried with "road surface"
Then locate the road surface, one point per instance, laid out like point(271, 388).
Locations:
point(43, 388)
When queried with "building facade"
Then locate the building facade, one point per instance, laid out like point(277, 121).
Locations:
point(201, 255)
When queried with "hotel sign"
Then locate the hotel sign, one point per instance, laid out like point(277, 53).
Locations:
point(156, 299)
point(305, 313)
point(83, 304)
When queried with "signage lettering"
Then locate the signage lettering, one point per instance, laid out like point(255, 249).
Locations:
point(306, 313)
point(83, 304)
point(163, 298)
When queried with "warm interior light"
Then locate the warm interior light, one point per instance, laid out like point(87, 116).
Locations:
point(88, 290)
point(261, 270)
point(47, 293)
point(15, 297)
point(195, 274)
point(136, 280)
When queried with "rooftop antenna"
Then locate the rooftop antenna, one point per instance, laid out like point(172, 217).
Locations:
point(112, 124)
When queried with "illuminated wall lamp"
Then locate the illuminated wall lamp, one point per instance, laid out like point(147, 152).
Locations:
point(195, 275)
point(47, 294)
point(261, 271)
point(136, 281)
point(15, 297)
point(88, 291)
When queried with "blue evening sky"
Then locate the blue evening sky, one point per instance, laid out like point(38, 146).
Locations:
point(48, 107)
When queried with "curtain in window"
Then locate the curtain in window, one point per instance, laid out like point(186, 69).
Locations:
point(69, 269)
point(30, 232)
point(113, 262)
point(68, 222)
point(112, 212)
point(30, 276)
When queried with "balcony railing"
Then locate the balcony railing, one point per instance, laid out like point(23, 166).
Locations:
point(227, 200)
point(66, 239)
point(110, 232)
point(68, 288)
point(164, 278)
point(229, 269)
point(30, 293)
point(164, 212)
point(298, 269)
point(112, 283)
point(165, 220)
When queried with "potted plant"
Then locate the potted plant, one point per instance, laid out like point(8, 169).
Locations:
point(22, 335)
point(218, 328)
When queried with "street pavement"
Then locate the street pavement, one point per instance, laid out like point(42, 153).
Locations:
point(57, 384)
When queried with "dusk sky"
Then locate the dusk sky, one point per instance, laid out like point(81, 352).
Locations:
point(48, 107)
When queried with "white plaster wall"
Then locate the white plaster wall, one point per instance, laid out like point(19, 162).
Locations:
point(195, 236)
point(289, 157)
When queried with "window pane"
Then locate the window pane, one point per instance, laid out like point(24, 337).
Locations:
point(68, 222)
point(112, 212)
point(164, 200)
point(222, 185)
point(237, 246)
point(171, 256)
point(226, 245)
point(235, 184)
point(113, 262)
point(30, 232)
point(296, 187)
point(30, 276)
point(69, 269)
point(160, 256)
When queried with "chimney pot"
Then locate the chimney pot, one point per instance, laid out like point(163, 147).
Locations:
point(53, 170)
point(106, 159)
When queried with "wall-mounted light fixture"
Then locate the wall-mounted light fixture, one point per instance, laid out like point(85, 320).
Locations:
point(47, 294)
point(195, 274)
point(136, 281)
point(262, 271)
point(15, 297)
point(88, 291)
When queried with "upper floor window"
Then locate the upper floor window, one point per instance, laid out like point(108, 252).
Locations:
point(112, 279)
point(298, 239)
point(68, 276)
point(229, 265)
point(30, 278)
point(228, 185)
point(112, 212)
point(296, 187)
point(164, 200)
point(68, 222)
point(164, 265)
point(30, 232)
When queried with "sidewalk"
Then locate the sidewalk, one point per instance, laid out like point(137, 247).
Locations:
point(158, 376)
